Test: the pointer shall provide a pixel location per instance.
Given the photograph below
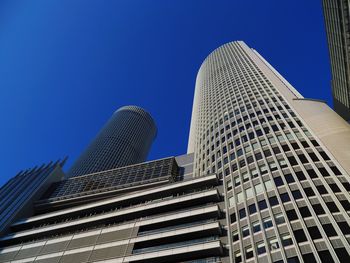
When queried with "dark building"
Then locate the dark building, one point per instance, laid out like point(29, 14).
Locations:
point(125, 139)
point(19, 193)
point(336, 17)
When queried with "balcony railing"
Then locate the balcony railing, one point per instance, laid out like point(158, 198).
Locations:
point(175, 245)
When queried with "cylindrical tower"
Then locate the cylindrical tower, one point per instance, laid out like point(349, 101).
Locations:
point(284, 160)
point(124, 140)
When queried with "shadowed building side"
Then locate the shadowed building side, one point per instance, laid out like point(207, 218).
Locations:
point(336, 18)
point(124, 140)
point(19, 193)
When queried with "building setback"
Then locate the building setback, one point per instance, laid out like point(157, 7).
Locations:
point(336, 17)
point(266, 179)
point(124, 140)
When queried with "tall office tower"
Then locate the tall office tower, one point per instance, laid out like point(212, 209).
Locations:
point(125, 139)
point(268, 181)
point(336, 16)
point(284, 159)
point(19, 193)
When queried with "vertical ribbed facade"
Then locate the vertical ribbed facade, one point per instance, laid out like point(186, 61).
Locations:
point(19, 192)
point(125, 139)
point(283, 159)
point(336, 17)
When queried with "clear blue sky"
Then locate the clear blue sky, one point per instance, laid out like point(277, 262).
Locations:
point(66, 65)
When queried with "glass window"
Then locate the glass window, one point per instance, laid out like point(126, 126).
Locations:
point(249, 252)
point(258, 156)
point(272, 140)
point(249, 192)
point(240, 197)
point(304, 211)
point(238, 257)
point(308, 134)
point(233, 218)
point(237, 180)
point(245, 177)
point(231, 201)
point(283, 163)
point(279, 218)
point(329, 229)
point(297, 194)
point(289, 178)
point(250, 159)
point(235, 236)
point(286, 240)
point(276, 150)
point(344, 227)
point(268, 185)
point(292, 215)
point(230, 145)
point(263, 169)
point(258, 188)
point(290, 136)
point(273, 244)
point(241, 163)
point(229, 185)
point(256, 227)
point(318, 209)
point(321, 189)
point(245, 231)
point(252, 209)
point(262, 204)
point(242, 213)
point(293, 260)
point(267, 222)
point(285, 148)
point(255, 146)
point(219, 164)
point(225, 160)
point(298, 134)
point(255, 173)
point(314, 232)
point(261, 248)
point(247, 149)
point(280, 138)
point(278, 181)
point(273, 166)
point(309, 192)
point(299, 235)
point(273, 201)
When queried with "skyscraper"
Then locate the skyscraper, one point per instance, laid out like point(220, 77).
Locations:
point(284, 159)
point(125, 139)
point(266, 179)
point(19, 193)
point(336, 17)
point(145, 212)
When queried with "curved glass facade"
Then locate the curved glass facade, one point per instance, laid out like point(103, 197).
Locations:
point(125, 139)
